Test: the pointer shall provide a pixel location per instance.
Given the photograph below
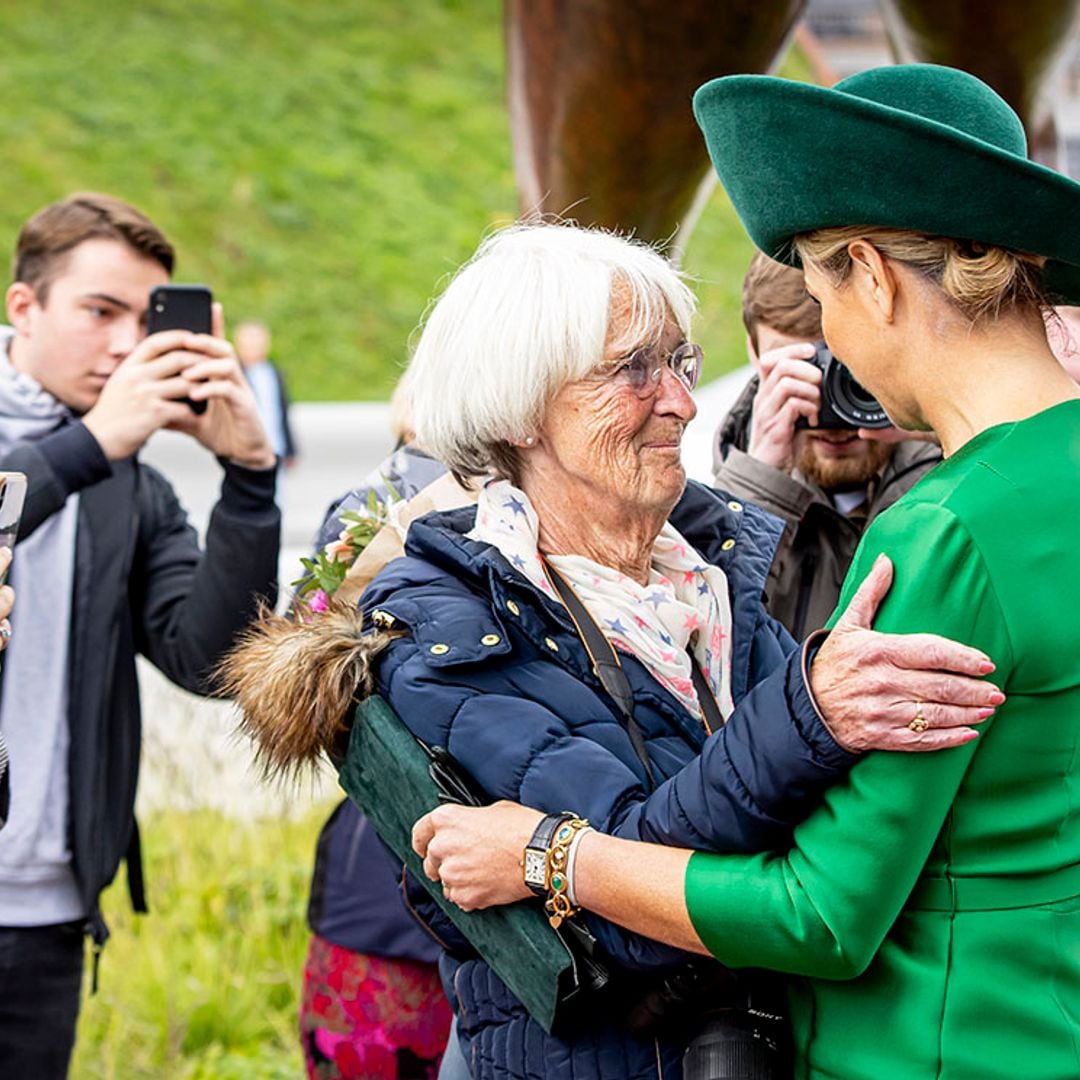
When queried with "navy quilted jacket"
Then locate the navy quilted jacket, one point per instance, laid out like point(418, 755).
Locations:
point(494, 671)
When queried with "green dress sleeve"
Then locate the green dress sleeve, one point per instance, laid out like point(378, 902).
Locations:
point(824, 907)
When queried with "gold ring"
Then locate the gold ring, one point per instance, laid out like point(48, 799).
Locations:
point(919, 723)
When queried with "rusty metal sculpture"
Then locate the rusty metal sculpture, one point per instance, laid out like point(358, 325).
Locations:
point(600, 90)
point(600, 101)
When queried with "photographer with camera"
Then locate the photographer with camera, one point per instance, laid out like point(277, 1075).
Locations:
point(792, 449)
point(111, 567)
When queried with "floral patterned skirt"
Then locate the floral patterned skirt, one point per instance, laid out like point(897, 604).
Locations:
point(366, 1018)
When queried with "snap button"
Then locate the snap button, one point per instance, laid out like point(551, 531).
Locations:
point(736, 506)
point(551, 644)
point(490, 639)
point(383, 619)
point(440, 649)
point(727, 545)
point(512, 608)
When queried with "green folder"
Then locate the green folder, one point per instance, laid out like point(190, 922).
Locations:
point(386, 774)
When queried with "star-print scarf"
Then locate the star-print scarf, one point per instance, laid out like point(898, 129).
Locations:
point(685, 604)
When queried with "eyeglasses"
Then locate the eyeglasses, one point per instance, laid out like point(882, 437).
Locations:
point(641, 370)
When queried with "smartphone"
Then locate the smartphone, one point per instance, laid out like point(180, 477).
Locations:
point(12, 497)
point(181, 307)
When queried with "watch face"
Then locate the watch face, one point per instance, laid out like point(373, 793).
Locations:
point(535, 868)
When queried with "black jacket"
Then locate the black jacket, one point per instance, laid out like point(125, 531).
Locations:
point(142, 585)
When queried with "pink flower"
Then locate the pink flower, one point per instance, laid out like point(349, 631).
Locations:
point(341, 550)
point(319, 602)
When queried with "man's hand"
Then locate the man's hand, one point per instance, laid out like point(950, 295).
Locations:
point(230, 427)
point(790, 388)
point(144, 393)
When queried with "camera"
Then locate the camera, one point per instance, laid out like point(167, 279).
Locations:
point(845, 403)
point(734, 1024)
point(738, 1046)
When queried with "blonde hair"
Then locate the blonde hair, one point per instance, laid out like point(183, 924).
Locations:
point(981, 281)
point(526, 315)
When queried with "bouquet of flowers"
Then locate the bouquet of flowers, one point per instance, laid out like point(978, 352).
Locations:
point(325, 572)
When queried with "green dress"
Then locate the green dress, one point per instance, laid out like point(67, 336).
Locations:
point(932, 903)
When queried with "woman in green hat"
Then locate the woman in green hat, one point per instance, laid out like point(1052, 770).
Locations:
point(929, 911)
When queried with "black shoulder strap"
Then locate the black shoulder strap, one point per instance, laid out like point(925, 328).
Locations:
point(605, 662)
point(710, 711)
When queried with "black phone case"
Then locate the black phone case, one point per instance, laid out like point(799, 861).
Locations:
point(181, 307)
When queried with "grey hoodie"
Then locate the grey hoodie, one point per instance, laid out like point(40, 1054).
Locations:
point(37, 884)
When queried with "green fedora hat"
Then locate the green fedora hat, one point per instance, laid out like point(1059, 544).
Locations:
point(914, 146)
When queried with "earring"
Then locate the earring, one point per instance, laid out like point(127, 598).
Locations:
point(531, 440)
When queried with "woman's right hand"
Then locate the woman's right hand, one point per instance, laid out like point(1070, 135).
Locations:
point(7, 598)
point(875, 691)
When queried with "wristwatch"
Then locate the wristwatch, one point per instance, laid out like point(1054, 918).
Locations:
point(535, 862)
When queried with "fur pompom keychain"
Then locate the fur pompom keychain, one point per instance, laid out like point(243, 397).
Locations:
point(295, 682)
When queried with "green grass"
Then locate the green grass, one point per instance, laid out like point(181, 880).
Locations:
point(206, 986)
point(322, 165)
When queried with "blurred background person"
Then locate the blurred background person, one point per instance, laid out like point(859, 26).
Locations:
point(252, 340)
point(826, 484)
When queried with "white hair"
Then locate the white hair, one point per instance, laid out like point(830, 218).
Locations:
point(526, 315)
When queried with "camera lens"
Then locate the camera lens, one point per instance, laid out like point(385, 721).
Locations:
point(850, 400)
point(733, 1047)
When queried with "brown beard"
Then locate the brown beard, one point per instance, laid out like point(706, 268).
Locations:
point(845, 472)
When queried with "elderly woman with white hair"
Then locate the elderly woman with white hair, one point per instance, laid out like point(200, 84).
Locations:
point(557, 365)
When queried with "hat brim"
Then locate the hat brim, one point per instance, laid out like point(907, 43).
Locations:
point(795, 158)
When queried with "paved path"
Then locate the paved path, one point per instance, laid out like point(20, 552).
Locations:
point(191, 756)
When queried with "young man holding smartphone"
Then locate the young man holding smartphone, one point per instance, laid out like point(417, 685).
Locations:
point(108, 566)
